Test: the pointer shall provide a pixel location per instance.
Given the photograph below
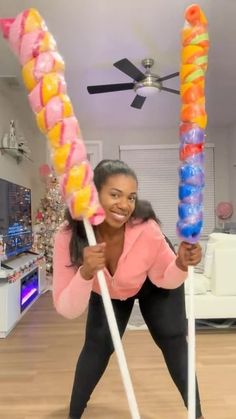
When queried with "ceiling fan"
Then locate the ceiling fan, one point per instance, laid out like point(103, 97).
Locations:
point(144, 84)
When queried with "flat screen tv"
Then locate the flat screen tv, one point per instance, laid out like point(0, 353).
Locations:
point(15, 218)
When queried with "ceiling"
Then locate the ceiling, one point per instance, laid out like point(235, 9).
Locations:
point(93, 34)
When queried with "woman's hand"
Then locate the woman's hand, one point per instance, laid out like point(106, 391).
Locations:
point(93, 260)
point(188, 254)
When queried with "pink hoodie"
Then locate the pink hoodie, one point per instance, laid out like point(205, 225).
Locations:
point(145, 253)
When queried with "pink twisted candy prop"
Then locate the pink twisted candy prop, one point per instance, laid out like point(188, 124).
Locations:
point(43, 76)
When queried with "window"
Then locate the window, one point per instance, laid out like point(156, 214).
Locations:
point(157, 170)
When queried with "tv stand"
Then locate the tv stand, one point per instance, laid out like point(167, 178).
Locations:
point(22, 280)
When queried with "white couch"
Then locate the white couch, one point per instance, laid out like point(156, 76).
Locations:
point(214, 282)
point(215, 288)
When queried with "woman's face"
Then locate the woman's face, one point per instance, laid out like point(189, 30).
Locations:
point(117, 196)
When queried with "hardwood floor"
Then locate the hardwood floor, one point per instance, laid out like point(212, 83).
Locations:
point(37, 362)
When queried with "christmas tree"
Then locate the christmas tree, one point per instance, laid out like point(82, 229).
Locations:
point(49, 216)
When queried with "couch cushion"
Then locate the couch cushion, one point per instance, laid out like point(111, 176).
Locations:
point(201, 284)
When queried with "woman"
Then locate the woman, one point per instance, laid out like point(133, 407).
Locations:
point(138, 264)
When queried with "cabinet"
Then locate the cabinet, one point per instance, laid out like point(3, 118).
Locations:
point(22, 280)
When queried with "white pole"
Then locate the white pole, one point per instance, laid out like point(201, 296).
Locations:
point(191, 348)
point(114, 332)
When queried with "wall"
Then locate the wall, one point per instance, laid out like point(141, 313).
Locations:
point(232, 167)
point(218, 136)
point(13, 105)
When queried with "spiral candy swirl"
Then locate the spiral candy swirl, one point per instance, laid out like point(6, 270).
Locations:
point(43, 76)
point(193, 120)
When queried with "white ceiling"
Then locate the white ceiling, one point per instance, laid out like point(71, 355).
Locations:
point(93, 34)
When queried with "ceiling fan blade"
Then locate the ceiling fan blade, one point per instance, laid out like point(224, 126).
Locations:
point(128, 68)
point(106, 88)
point(170, 76)
point(138, 102)
point(167, 89)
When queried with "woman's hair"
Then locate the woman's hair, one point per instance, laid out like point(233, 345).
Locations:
point(143, 209)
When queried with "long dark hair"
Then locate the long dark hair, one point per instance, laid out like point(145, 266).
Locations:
point(143, 209)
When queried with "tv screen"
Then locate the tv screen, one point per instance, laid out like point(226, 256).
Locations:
point(15, 218)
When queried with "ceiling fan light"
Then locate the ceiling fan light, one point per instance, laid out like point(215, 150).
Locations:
point(148, 87)
point(147, 90)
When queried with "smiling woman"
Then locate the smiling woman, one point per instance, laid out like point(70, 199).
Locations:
point(138, 263)
point(118, 197)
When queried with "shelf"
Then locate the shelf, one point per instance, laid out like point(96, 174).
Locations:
point(16, 153)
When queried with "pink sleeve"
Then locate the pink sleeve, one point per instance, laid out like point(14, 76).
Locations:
point(70, 291)
point(163, 271)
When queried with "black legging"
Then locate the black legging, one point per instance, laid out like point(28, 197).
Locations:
point(164, 314)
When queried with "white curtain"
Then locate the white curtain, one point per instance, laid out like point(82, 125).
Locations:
point(157, 171)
